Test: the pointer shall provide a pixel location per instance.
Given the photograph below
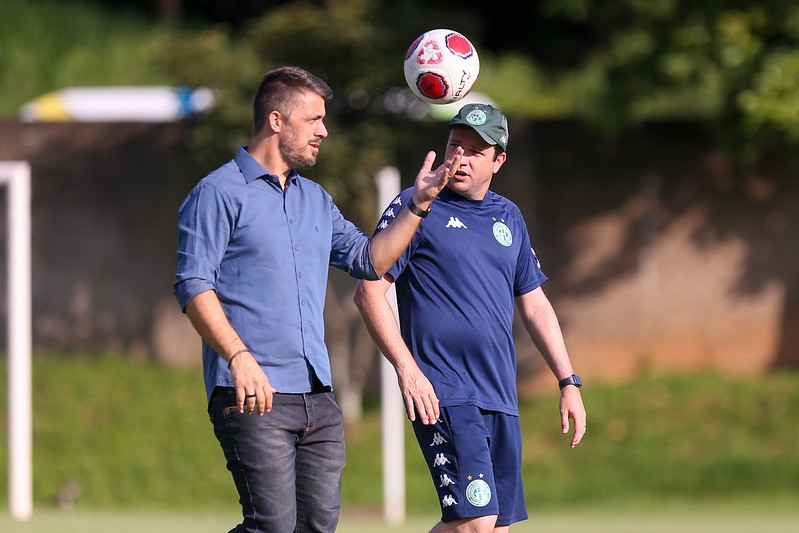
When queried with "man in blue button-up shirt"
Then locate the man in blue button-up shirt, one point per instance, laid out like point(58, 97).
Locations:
point(255, 243)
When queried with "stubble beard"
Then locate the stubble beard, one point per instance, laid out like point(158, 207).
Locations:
point(295, 155)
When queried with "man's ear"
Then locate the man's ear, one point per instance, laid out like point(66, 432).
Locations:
point(501, 157)
point(275, 121)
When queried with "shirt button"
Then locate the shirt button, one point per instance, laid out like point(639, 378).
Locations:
point(299, 275)
point(296, 246)
point(305, 330)
point(302, 302)
point(291, 221)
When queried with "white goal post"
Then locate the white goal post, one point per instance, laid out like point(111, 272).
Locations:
point(393, 408)
point(16, 176)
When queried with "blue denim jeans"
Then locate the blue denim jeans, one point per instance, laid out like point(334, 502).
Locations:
point(286, 464)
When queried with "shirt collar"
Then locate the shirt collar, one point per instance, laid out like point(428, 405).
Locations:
point(449, 195)
point(252, 169)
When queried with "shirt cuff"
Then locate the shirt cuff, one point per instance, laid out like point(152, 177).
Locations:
point(187, 289)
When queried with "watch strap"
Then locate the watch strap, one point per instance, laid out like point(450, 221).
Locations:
point(574, 379)
point(413, 208)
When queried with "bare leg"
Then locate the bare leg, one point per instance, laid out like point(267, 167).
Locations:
point(481, 524)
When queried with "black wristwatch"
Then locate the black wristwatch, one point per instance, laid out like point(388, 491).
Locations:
point(413, 208)
point(574, 379)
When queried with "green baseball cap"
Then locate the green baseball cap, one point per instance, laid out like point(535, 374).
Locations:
point(487, 121)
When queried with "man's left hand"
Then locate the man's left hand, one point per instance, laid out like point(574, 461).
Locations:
point(571, 407)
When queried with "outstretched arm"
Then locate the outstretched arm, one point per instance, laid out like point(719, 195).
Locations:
point(391, 242)
point(370, 297)
point(209, 319)
point(542, 324)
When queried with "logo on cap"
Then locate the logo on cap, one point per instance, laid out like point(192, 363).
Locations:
point(476, 117)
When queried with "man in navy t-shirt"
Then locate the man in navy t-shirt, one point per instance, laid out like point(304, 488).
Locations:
point(457, 283)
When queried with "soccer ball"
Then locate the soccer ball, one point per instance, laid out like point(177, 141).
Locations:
point(441, 66)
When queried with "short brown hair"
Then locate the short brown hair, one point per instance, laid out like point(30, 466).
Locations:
point(278, 89)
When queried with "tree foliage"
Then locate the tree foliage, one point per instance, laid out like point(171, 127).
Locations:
point(354, 45)
point(731, 65)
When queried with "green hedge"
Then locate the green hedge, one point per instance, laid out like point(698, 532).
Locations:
point(136, 435)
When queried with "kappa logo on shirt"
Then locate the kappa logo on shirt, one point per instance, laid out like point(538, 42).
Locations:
point(537, 262)
point(454, 222)
point(389, 212)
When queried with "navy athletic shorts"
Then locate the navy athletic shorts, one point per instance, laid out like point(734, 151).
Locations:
point(474, 457)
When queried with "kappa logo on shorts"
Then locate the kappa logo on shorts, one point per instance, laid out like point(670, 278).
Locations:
point(445, 480)
point(478, 493)
point(448, 500)
point(438, 440)
point(440, 460)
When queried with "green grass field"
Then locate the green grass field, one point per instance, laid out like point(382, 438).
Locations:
point(732, 517)
point(663, 453)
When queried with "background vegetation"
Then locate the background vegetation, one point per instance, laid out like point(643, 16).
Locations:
point(110, 433)
point(733, 66)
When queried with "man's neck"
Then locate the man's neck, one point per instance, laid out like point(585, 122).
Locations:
point(266, 152)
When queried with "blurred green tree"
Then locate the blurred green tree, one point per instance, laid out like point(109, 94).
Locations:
point(732, 64)
point(354, 45)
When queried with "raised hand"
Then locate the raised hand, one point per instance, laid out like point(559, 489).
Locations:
point(430, 182)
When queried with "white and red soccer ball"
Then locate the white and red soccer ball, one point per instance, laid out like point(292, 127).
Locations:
point(441, 66)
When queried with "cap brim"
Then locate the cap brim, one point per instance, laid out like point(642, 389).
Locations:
point(482, 135)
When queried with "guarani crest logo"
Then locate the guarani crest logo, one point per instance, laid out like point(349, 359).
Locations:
point(476, 117)
point(478, 493)
point(502, 234)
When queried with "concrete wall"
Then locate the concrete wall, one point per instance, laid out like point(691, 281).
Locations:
point(105, 200)
point(662, 253)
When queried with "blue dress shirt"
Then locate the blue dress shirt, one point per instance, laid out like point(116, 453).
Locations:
point(266, 252)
